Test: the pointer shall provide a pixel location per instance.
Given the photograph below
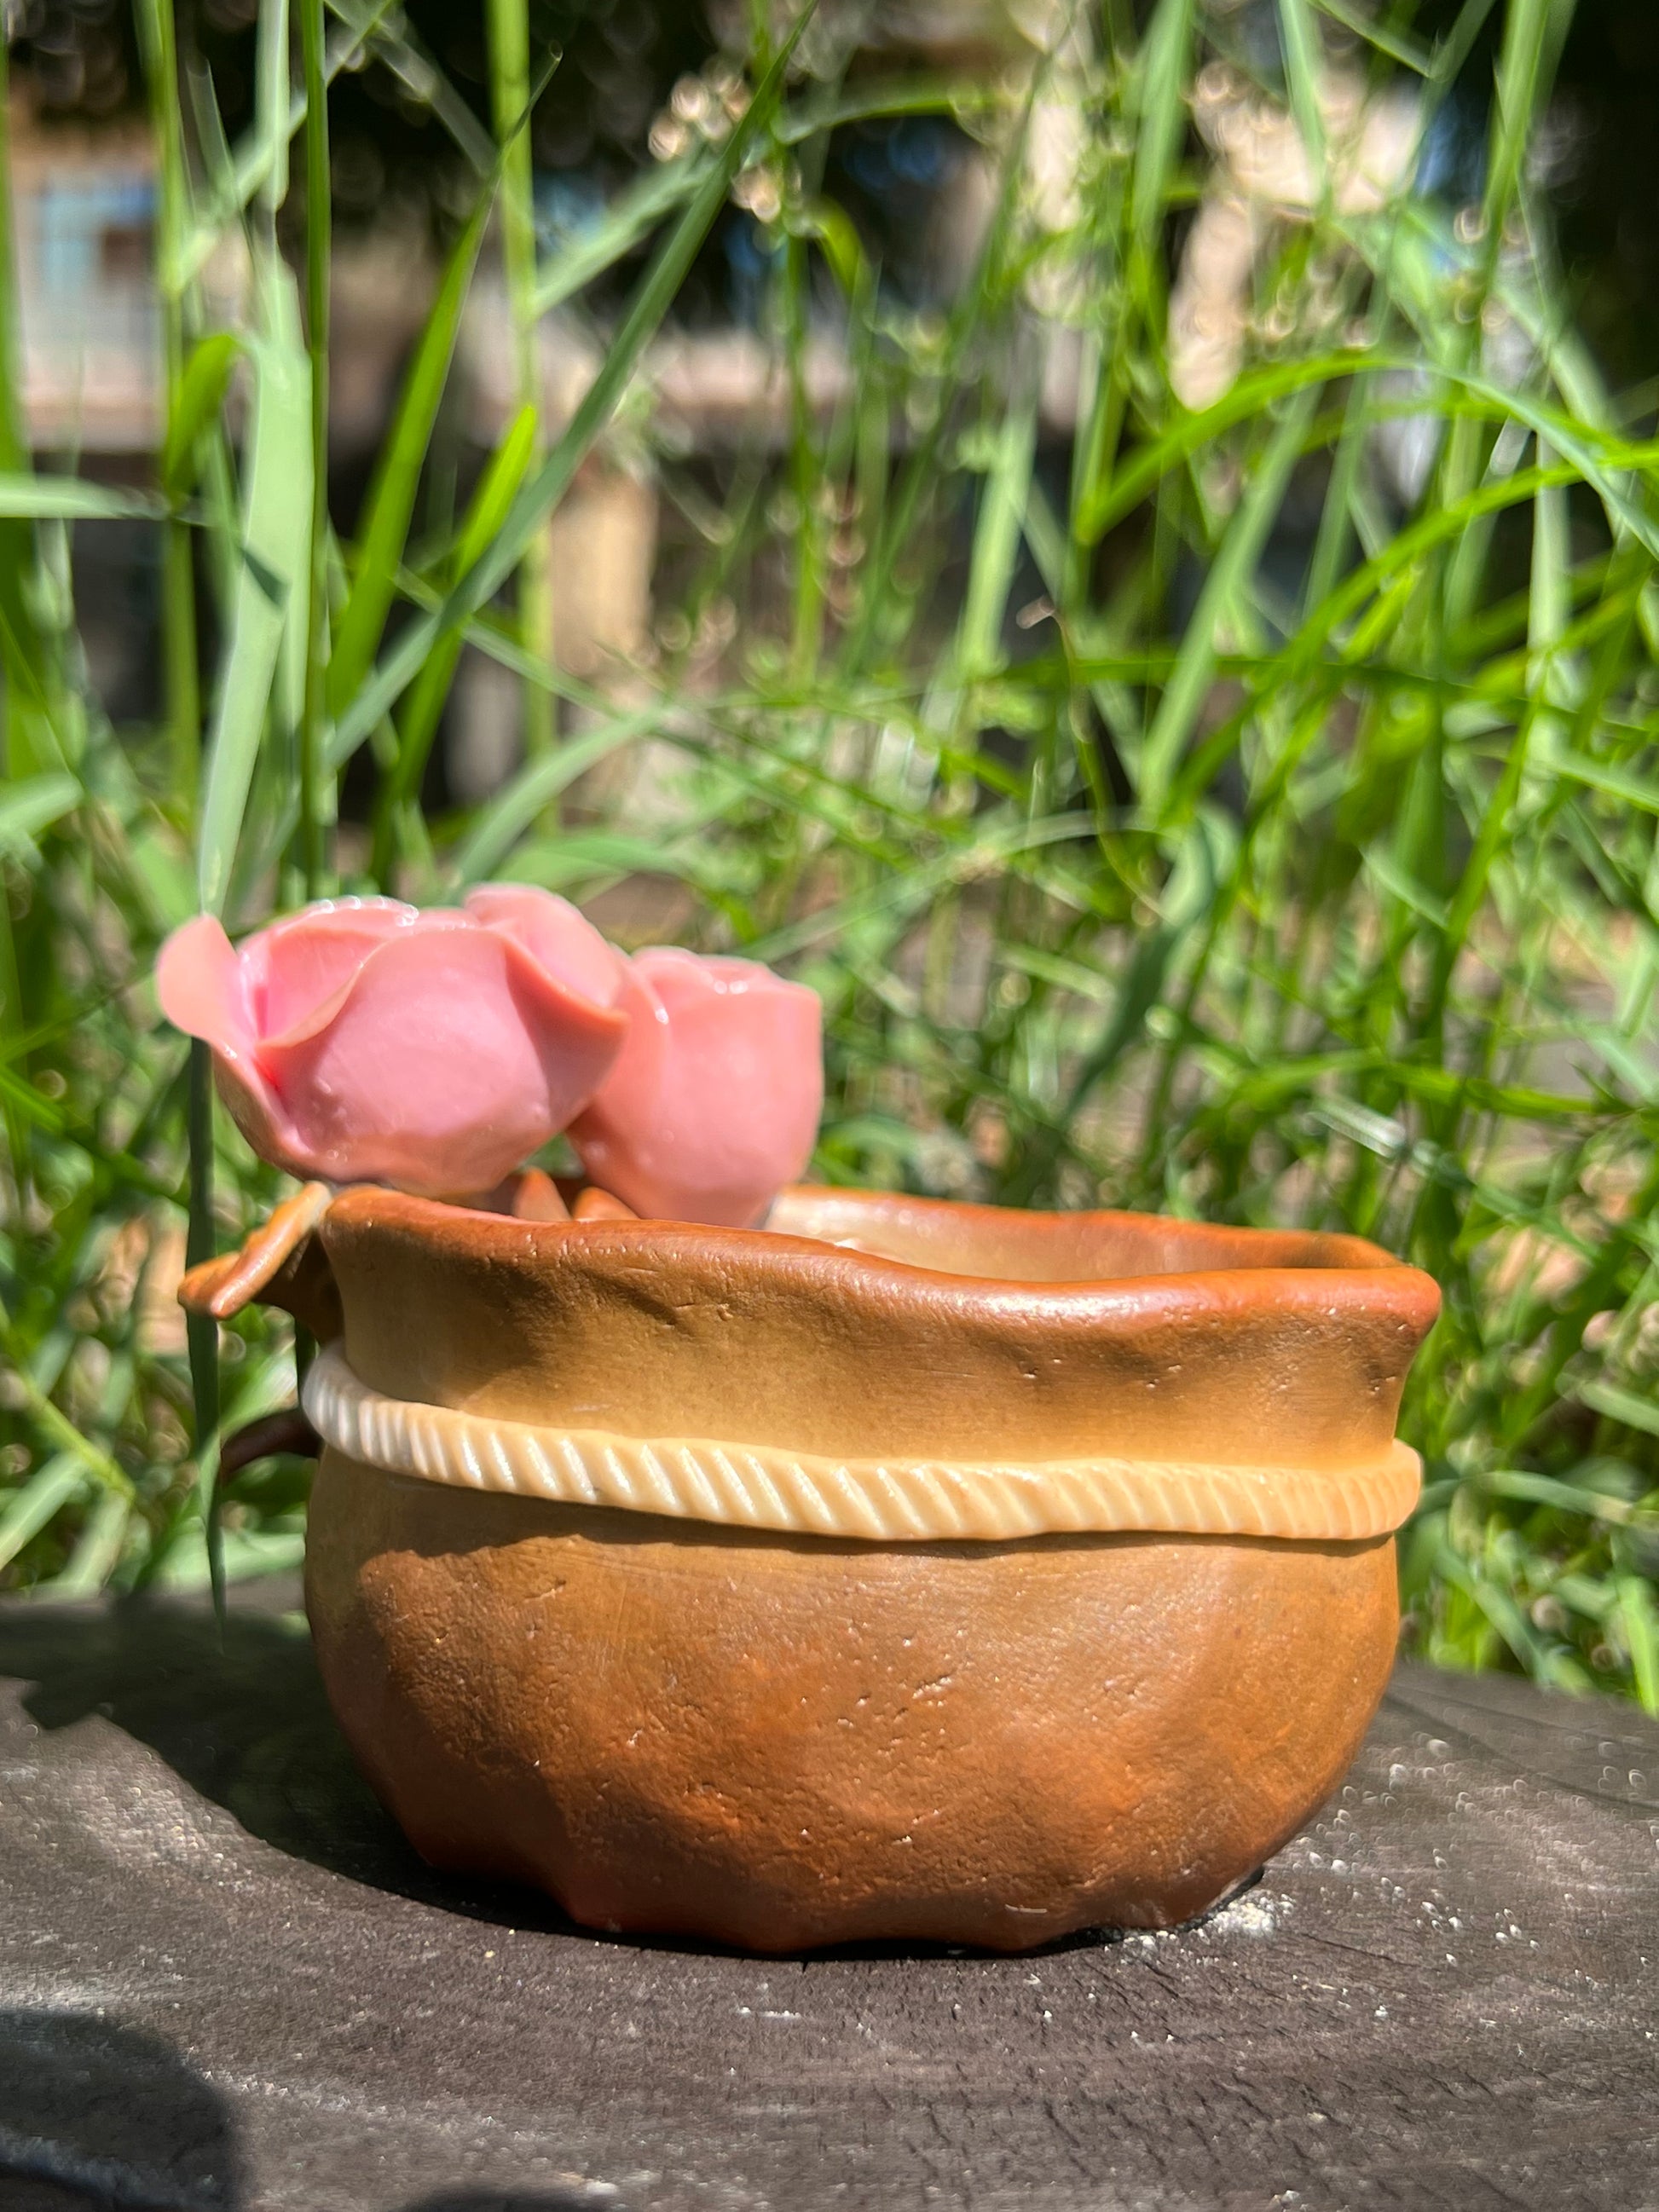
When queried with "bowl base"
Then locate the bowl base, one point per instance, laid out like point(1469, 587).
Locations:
point(781, 1742)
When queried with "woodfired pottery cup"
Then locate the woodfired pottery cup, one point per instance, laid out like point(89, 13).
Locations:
point(903, 1569)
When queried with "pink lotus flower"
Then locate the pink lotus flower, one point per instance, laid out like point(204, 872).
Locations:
point(714, 1102)
point(362, 1040)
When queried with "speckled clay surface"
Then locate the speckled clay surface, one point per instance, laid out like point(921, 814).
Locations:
point(777, 1742)
point(781, 1740)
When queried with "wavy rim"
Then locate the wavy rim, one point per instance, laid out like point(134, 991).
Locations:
point(762, 1487)
point(1375, 1281)
point(1329, 1251)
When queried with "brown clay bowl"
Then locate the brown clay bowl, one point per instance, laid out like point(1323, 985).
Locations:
point(902, 1571)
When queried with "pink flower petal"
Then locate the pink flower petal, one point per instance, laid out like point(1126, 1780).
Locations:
point(364, 1040)
point(260, 1114)
point(578, 1040)
point(555, 934)
point(202, 986)
point(297, 965)
point(447, 1060)
point(714, 1102)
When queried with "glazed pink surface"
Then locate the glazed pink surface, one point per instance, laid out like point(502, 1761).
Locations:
point(713, 1104)
point(366, 1040)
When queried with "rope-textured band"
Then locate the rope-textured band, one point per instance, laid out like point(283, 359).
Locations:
point(885, 1501)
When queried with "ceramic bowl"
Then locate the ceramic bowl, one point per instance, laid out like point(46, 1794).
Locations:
point(902, 1571)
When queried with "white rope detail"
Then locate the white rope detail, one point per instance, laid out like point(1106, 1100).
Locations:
point(885, 1501)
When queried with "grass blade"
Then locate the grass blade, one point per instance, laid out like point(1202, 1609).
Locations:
point(97, 1553)
point(418, 723)
point(33, 804)
point(235, 187)
point(1640, 1617)
point(68, 498)
point(1299, 38)
point(996, 542)
point(631, 216)
point(391, 501)
point(1231, 574)
point(199, 394)
point(650, 304)
point(511, 100)
point(270, 600)
point(516, 808)
point(405, 53)
point(28, 1509)
point(1161, 120)
point(1409, 52)
point(316, 808)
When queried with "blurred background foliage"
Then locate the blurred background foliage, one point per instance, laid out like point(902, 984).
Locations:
point(1116, 542)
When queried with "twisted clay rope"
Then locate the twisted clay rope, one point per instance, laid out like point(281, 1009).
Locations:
point(889, 1501)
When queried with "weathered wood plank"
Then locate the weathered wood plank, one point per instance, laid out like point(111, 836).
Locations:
point(224, 1981)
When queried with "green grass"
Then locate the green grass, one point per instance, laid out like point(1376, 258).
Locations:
point(1138, 858)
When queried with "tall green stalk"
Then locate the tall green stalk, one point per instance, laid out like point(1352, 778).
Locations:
point(509, 92)
point(272, 102)
point(202, 1331)
point(318, 222)
point(181, 668)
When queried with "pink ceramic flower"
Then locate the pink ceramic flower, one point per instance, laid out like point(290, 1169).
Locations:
point(364, 1041)
point(714, 1102)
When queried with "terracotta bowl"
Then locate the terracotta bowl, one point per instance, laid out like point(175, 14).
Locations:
point(902, 1571)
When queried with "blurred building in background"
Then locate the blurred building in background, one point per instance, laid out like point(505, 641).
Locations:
point(83, 210)
point(637, 85)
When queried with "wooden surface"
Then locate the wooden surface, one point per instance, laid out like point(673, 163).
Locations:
point(226, 1983)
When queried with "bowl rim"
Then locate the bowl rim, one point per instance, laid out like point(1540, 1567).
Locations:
point(1361, 1276)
